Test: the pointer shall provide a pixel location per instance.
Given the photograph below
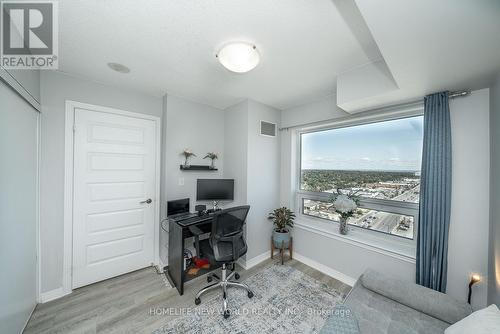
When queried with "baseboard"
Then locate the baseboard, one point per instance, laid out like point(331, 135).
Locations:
point(247, 264)
point(242, 263)
point(53, 294)
point(325, 269)
point(28, 320)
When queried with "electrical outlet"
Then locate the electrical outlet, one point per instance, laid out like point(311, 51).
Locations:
point(181, 181)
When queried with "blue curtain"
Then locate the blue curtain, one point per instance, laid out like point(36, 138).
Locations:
point(435, 194)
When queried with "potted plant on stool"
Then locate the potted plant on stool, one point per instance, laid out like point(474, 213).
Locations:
point(283, 221)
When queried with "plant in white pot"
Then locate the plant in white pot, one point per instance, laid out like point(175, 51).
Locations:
point(283, 222)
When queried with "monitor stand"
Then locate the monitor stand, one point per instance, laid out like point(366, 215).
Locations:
point(215, 207)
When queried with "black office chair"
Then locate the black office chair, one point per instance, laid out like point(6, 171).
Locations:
point(225, 246)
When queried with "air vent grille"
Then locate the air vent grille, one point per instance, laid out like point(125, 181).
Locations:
point(267, 129)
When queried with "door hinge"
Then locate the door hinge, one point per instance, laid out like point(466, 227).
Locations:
point(74, 127)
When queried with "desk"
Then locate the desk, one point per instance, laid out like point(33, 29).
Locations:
point(178, 231)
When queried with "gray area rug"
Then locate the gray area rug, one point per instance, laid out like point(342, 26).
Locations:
point(285, 301)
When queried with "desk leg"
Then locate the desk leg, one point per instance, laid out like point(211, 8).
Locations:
point(176, 256)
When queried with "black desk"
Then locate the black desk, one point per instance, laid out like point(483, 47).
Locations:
point(178, 231)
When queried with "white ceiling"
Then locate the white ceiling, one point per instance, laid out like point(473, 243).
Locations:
point(432, 46)
point(170, 46)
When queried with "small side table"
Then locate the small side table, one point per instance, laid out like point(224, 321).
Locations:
point(282, 249)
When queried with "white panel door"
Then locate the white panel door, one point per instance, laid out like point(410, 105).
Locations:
point(114, 178)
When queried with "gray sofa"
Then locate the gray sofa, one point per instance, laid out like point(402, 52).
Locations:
point(382, 304)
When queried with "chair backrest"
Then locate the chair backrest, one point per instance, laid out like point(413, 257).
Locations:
point(227, 222)
point(227, 229)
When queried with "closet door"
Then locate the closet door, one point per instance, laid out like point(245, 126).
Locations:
point(18, 210)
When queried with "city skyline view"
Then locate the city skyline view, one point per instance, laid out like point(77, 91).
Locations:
point(384, 146)
point(378, 160)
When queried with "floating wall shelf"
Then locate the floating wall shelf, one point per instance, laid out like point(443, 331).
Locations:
point(197, 167)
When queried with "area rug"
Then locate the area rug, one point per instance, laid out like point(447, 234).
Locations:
point(285, 301)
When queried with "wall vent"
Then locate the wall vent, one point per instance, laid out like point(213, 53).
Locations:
point(267, 129)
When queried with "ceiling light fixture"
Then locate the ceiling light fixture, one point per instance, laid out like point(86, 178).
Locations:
point(119, 67)
point(239, 57)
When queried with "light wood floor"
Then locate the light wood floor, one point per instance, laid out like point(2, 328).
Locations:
point(123, 304)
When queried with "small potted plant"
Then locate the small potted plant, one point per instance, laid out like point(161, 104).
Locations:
point(187, 153)
point(212, 156)
point(345, 206)
point(283, 221)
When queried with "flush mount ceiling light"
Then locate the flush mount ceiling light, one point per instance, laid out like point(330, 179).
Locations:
point(239, 57)
point(119, 67)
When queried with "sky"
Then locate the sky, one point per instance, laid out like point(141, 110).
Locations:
point(391, 145)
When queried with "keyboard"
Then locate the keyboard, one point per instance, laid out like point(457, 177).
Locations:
point(183, 216)
point(194, 219)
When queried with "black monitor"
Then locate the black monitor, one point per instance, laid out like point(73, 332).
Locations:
point(178, 206)
point(215, 190)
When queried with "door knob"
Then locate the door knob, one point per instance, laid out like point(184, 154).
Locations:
point(148, 201)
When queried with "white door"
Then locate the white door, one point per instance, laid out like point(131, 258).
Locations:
point(114, 178)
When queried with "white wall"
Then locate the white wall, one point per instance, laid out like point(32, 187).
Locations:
point(254, 162)
point(197, 127)
point(321, 110)
point(18, 210)
point(56, 88)
point(245, 156)
point(163, 187)
point(494, 252)
point(25, 82)
point(29, 80)
point(363, 86)
point(469, 221)
point(469, 228)
point(263, 177)
point(236, 149)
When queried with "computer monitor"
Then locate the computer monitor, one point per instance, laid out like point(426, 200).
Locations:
point(178, 206)
point(215, 190)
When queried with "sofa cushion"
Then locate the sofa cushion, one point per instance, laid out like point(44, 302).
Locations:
point(377, 314)
point(484, 321)
point(422, 299)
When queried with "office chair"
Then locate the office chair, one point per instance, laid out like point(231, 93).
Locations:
point(225, 246)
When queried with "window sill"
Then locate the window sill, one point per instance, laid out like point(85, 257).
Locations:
point(400, 249)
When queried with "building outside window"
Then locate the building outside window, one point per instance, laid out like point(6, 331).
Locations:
point(378, 162)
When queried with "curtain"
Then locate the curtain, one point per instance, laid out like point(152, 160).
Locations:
point(435, 194)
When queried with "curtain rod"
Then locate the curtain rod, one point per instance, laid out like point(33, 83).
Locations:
point(459, 93)
point(411, 104)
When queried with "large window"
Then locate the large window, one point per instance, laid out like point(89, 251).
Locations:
point(377, 162)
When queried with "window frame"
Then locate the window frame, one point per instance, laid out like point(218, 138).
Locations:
point(387, 242)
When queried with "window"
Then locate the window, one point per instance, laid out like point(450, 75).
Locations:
point(377, 162)
point(376, 220)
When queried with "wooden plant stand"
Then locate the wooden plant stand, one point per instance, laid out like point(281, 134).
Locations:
point(282, 249)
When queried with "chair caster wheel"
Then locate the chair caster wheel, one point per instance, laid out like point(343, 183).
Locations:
point(237, 276)
point(197, 301)
point(209, 279)
point(226, 314)
point(250, 294)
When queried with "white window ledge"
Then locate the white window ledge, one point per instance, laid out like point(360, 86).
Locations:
point(403, 250)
